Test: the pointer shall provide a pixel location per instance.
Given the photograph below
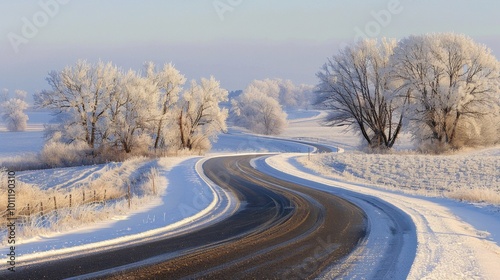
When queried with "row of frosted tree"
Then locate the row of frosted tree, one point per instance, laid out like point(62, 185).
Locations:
point(107, 109)
point(442, 88)
point(262, 104)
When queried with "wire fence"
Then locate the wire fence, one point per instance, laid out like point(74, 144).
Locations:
point(86, 203)
point(51, 205)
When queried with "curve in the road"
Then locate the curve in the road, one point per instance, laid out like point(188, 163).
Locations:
point(390, 246)
point(282, 230)
point(285, 231)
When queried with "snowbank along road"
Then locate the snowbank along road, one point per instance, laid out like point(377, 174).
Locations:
point(389, 247)
point(281, 230)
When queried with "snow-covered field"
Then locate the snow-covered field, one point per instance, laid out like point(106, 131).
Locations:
point(26, 142)
point(238, 141)
point(474, 177)
point(456, 240)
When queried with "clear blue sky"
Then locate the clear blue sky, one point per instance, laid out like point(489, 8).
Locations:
point(234, 40)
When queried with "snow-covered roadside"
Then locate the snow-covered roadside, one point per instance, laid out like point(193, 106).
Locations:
point(190, 200)
point(239, 141)
point(448, 247)
point(455, 239)
point(472, 176)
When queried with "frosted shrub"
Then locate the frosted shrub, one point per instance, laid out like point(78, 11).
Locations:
point(476, 194)
point(56, 154)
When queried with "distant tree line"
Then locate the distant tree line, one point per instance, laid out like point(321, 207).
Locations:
point(442, 88)
point(261, 106)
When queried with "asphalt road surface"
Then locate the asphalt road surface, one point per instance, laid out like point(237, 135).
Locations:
point(281, 230)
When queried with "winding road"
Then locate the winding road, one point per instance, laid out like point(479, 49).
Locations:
point(282, 229)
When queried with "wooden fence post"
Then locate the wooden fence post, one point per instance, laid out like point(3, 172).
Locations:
point(55, 203)
point(128, 195)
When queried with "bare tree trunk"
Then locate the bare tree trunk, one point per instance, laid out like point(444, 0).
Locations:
point(454, 127)
point(181, 128)
point(158, 134)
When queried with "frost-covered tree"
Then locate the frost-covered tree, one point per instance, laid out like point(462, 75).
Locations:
point(81, 92)
point(357, 89)
point(258, 111)
point(200, 118)
point(13, 114)
point(304, 96)
point(261, 106)
point(288, 94)
point(132, 113)
point(452, 82)
point(116, 113)
point(270, 87)
point(292, 96)
point(169, 82)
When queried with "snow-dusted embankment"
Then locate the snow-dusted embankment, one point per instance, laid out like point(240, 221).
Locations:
point(190, 200)
point(447, 246)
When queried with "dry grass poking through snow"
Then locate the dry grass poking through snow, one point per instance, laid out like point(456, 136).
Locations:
point(40, 211)
point(473, 177)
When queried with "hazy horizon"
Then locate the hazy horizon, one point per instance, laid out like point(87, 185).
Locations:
point(234, 40)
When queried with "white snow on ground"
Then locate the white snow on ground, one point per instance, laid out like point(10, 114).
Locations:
point(311, 129)
point(239, 141)
point(20, 143)
point(190, 200)
point(472, 176)
point(456, 240)
point(448, 247)
point(26, 142)
point(62, 178)
point(301, 114)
